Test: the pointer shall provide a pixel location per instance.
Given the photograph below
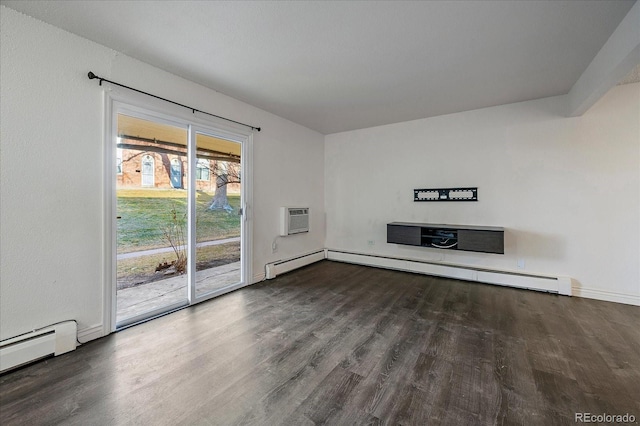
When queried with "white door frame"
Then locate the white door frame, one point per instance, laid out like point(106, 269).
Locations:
point(119, 100)
point(151, 175)
point(178, 163)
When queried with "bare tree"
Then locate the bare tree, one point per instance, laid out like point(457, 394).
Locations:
point(175, 232)
point(225, 173)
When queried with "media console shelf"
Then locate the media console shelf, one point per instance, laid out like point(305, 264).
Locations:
point(485, 239)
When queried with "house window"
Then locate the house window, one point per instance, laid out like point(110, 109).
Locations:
point(119, 161)
point(147, 171)
point(202, 170)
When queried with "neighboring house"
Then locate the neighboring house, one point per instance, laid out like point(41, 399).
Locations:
point(149, 169)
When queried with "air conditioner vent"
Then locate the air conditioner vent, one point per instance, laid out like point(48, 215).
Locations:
point(294, 220)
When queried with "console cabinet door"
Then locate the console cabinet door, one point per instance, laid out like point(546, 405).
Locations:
point(482, 241)
point(400, 234)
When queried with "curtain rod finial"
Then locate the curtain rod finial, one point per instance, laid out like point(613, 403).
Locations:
point(91, 75)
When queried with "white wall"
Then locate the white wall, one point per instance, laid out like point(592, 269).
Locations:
point(52, 214)
point(566, 189)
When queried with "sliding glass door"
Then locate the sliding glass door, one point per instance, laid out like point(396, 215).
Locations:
point(178, 218)
point(216, 216)
point(151, 219)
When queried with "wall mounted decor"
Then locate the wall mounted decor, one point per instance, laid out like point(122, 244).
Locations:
point(446, 194)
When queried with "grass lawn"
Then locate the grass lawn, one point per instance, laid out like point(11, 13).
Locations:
point(145, 213)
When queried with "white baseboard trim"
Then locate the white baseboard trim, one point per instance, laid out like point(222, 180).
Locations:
point(553, 284)
point(607, 296)
point(279, 267)
point(560, 285)
point(56, 339)
point(91, 333)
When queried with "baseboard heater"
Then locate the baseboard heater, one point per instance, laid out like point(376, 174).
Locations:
point(559, 285)
point(26, 348)
point(280, 267)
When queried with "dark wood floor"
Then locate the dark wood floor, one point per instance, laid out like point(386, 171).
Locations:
point(343, 344)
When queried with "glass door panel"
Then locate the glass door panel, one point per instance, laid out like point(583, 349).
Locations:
point(218, 214)
point(151, 210)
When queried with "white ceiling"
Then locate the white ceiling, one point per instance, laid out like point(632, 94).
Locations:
point(336, 66)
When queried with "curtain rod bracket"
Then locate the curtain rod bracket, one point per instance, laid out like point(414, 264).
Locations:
point(92, 76)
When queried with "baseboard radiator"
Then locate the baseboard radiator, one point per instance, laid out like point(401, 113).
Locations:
point(559, 285)
point(26, 348)
point(280, 267)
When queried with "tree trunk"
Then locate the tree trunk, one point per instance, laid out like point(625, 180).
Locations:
point(220, 200)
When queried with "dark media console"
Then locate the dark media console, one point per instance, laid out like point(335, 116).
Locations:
point(485, 239)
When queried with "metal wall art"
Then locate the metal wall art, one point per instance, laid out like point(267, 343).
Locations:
point(446, 194)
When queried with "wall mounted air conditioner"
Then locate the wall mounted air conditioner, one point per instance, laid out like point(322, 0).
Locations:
point(294, 220)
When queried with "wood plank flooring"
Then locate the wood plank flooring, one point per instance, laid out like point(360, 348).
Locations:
point(343, 344)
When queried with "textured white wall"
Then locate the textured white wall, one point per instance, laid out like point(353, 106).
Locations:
point(566, 189)
point(51, 214)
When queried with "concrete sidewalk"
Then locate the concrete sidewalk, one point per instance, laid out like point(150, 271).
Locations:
point(147, 297)
point(169, 249)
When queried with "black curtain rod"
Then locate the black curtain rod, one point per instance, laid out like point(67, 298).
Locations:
point(92, 76)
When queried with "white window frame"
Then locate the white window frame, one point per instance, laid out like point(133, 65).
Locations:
point(207, 167)
point(119, 160)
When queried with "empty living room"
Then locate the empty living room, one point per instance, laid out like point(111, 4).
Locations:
point(313, 212)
